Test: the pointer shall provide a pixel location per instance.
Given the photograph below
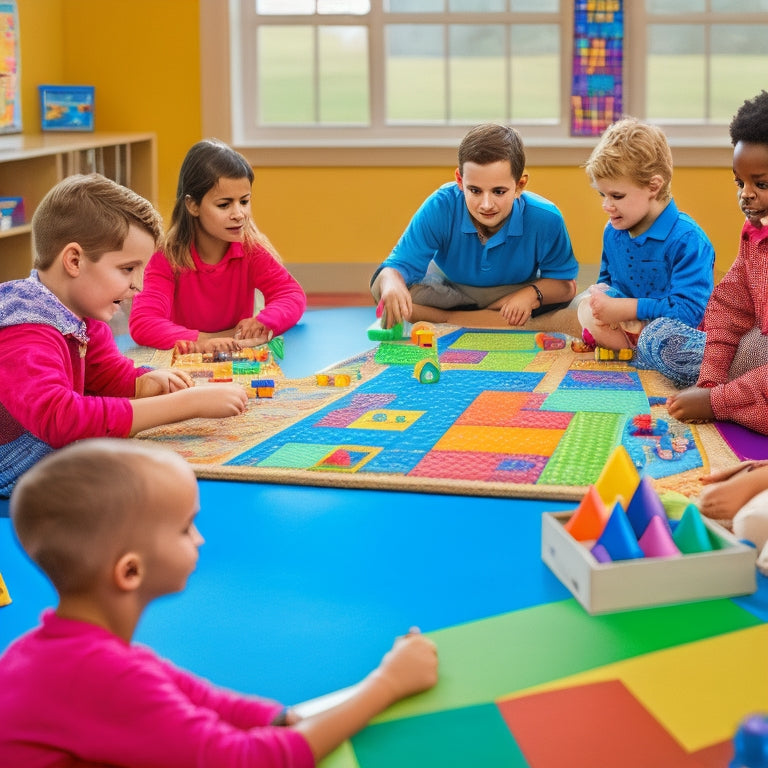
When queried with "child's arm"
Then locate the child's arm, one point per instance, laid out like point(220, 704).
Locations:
point(211, 401)
point(730, 490)
point(410, 667)
point(692, 404)
point(390, 289)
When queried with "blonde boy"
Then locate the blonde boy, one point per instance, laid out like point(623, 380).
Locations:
point(656, 261)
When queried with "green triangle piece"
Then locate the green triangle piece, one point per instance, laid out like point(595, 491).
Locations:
point(691, 535)
point(277, 346)
point(674, 504)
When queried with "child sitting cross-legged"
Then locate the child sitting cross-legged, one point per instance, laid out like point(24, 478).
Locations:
point(118, 532)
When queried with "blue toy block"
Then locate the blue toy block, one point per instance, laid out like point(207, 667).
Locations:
point(645, 504)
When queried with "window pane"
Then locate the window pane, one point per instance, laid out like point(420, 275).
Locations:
point(343, 74)
point(343, 6)
point(744, 6)
point(285, 62)
point(535, 6)
point(285, 7)
point(415, 72)
point(676, 6)
point(477, 6)
point(414, 6)
point(535, 80)
point(738, 66)
point(477, 72)
point(676, 72)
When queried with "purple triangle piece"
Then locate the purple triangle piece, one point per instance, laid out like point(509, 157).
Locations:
point(600, 553)
point(645, 504)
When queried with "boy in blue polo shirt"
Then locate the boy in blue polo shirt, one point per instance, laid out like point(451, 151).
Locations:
point(657, 262)
point(481, 250)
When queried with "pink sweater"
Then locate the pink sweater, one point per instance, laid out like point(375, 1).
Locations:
point(62, 392)
point(73, 694)
point(213, 298)
point(738, 304)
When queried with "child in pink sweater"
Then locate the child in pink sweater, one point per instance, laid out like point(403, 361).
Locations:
point(119, 532)
point(219, 284)
point(62, 377)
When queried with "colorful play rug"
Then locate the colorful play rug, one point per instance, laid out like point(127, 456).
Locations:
point(502, 416)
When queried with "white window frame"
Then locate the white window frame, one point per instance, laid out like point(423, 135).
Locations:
point(415, 145)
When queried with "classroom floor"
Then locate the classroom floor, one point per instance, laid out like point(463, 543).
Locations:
point(300, 590)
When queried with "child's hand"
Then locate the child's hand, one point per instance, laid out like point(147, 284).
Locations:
point(411, 665)
point(396, 303)
point(216, 344)
point(692, 404)
point(216, 401)
point(162, 382)
point(518, 307)
point(251, 333)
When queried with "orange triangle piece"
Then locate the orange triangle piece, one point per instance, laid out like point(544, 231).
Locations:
point(590, 517)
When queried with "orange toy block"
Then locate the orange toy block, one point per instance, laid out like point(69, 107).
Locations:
point(590, 517)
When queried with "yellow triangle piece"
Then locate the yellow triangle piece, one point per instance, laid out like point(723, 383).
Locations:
point(619, 477)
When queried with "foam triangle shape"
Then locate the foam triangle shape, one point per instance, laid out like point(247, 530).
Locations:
point(618, 538)
point(674, 504)
point(619, 477)
point(691, 535)
point(657, 539)
point(590, 517)
point(600, 553)
point(645, 505)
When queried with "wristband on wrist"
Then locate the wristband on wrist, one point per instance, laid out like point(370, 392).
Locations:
point(538, 294)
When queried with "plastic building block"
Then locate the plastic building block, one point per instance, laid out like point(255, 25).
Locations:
point(751, 743)
point(619, 478)
point(423, 335)
point(376, 332)
point(618, 538)
point(427, 371)
point(602, 354)
point(277, 345)
point(547, 341)
point(589, 519)
point(600, 553)
point(657, 539)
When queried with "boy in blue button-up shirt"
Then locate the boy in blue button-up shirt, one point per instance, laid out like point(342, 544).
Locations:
point(656, 262)
point(480, 251)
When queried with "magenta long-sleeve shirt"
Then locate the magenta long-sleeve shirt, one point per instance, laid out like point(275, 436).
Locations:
point(213, 297)
point(60, 390)
point(73, 694)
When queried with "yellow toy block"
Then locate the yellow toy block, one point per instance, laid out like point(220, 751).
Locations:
point(5, 597)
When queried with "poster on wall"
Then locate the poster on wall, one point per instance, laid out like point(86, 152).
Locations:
point(598, 42)
point(10, 102)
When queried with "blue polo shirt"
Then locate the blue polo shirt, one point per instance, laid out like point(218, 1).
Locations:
point(669, 268)
point(533, 242)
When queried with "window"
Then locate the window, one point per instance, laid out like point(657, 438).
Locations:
point(390, 72)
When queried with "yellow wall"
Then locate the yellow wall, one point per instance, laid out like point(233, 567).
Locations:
point(143, 56)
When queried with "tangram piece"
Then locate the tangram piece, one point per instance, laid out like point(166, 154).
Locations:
point(618, 538)
point(600, 553)
point(5, 597)
point(590, 517)
point(619, 477)
point(657, 539)
point(645, 505)
point(674, 504)
point(691, 535)
point(595, 724)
